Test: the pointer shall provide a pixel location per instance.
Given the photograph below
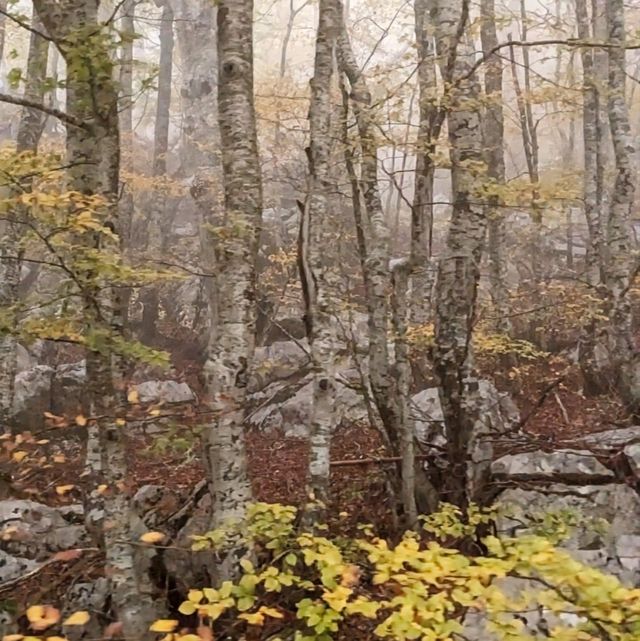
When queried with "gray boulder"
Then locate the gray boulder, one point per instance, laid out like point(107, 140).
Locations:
point(32, 397)
point(169, 392)
point(34, 531)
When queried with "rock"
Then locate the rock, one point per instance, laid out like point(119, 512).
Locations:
point(580, 466)
point(24, 359)
point(164, 392)
point(616, 439)
point(608, 527)
point(33, 530)
point(90, 597)
point(32, 397)
point(69, 389)
point(632, 452)
point(278, 361)
point(191, 568)
point(291, 412)
point(13, 567)
point(627, 548)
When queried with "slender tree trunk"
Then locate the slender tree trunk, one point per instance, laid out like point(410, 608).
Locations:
point(428, 133)
point(160, 223)
point(621, 266)
point(389, 380)
point(126, 208)
point(230, 355)
point(458, 270)
point(29, 133)
point(494, 145)
point(314, 229)
point(195, 22)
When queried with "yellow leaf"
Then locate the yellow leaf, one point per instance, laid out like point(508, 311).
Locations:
point(61, 490)
point(187, 608)
point(12, 637)
point(271, 612)
point(195, 596)
point(102, 488)
point(163, 625)
point(253, 618)
point(81, 420)
point(19, 456)
point(77, 618)
point(55, 639)
point(42, 616)
point(152, 537)
point(189, 637)
point(133, 396)
point(120, 422)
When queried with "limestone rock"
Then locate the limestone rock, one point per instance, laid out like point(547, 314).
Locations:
point(169, 392)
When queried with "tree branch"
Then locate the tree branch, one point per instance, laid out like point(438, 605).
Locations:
point(51, 111)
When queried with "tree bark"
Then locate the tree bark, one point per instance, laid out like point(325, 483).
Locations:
point(230, 355)
point(621, 267)
point(494, 144)
point(314, 228)
point(458, 270)
point(93, 155)
point(30, 131)
point(160, 220)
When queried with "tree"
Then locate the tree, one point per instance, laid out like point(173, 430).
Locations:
point(313, 265)
point(494, 143)
point(30, 129)
point(459, 267)
point(231, 344)
point(93, 156)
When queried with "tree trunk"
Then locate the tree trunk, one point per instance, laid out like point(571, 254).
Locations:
point(29, 133)
point(197, 45)
point(620, 262)
point(428, 132)
point(494, 144)
point(160, 222)
point(458, 271)
point(314, 229)
point(389, 380)
point(230, 355)
point(93, 155)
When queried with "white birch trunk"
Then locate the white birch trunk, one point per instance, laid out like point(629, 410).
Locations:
point(230, 356)
point(314, 229)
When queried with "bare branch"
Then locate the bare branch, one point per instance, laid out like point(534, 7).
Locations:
point(56, 113)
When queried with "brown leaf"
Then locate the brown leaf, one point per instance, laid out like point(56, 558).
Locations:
point(113, 630)
point(67, 555)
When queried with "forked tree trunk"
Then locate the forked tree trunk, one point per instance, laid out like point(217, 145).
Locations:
point(230, 355)
point(389, 378)
point(459, 268)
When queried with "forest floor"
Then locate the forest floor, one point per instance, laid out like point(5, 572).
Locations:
point(546, 392)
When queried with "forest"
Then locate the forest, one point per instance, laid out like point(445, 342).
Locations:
point(319, 320)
